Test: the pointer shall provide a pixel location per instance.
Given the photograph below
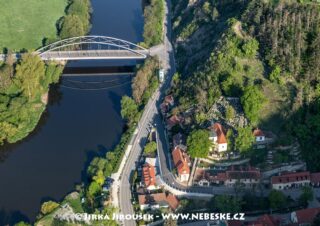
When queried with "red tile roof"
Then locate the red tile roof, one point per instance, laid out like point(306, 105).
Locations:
point(148, 175)
point(169, 99)
point(290, 177)
point(307, 215)
point(172, 201)
point(173, 120)
point(180, 161)
point(250, 173)
point(220, 133)
point(151, 198)
point(258, 133)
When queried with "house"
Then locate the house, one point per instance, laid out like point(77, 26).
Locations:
point(173, 201)
point(173, 121)
point(288, 180)
point(164, 108)
point(218, 137)
point(259, 135)
point(169, 100)
point(248, 177)
point(182, 163)
point(265, 220)
point(149, 176)
point(166, 104)
point(152, 161)
point(158, 200)
point(304, 217)
point(153, 201)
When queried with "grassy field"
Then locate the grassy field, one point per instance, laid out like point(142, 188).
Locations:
point(24, 24)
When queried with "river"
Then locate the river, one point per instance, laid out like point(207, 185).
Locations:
point(78, 124)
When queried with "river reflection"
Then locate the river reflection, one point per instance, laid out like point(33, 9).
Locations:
point(77, 124)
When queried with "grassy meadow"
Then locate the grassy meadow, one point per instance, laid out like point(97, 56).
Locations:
point(25, 23)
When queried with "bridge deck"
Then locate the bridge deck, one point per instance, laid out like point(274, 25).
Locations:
point(95, 54)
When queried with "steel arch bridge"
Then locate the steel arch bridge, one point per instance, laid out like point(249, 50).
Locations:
point(92, 47)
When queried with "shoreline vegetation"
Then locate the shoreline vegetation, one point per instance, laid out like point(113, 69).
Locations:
point(153, 23)
point(24, 84)
point(102, 167)
point(89, 196)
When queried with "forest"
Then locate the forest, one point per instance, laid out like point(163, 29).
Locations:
point(24, 87)
point(267, 53)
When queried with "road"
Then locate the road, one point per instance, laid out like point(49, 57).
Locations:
point(166, 56)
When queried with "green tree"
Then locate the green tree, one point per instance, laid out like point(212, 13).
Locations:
point(244, 140)
point(306, 195)
point(206, 8)
point(153, 23)
point(230, 113)
point(93, 189)
point(277, 199)
point(21, 223)
point(252, 101)
point(215, 14)
point(170, 222)
point(81, 8)
point(230, 139)
point(250, 48)
point(275, 74)
point(150, 148)
point(129, 109)
point(198, 143)
point(99, 178)
point(48, 207)
point(72, 26)
point(29, 73)
point(227, 204)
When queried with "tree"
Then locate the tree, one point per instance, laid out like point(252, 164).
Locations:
point(244, 140)
point(252, 101)
point(29, 74)
point(93, 189)
point(48, 207)
point(198, 144)
point(150, 148)
point(99, 178)
point(206, 8)
point(5, 78)
point(306, 196)
point(129, 109)
point(230, 113)
point(230, 139)
point(21, 223)
point(215, 14)
point(227, 204)
point(275, 74)
point(250, 48)
point(277, 199)
point(81, 8)
point(72, 26)
point(170, 222)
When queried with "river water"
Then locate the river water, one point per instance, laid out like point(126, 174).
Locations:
point(78, 124)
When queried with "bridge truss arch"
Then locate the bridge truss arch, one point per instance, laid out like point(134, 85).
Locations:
point(92, 47)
